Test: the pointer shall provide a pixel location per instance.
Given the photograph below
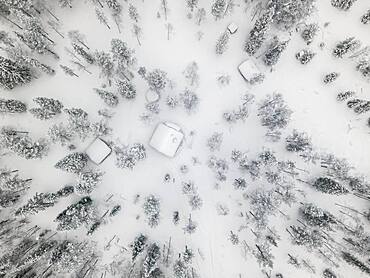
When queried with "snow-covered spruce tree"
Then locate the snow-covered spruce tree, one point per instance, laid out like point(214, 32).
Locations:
point(115, 9)
point(215, 141)
point(344, 5)
point(87, 181)
point(48, 108)
point(191, 74)
point(138, 246)
point(219, 166)
point(329, 186)
point(89, 58)
point(77, 38)
point(109, 98)
point(274, 112)
point(157, 80)
point(305, 56)
point(189, 100)
point(365, 18)
point(331, 77)
point(10, 180)
point(42, 251)
point(12, 106)
point(39, 202)
point(150, 268)
point(76, 215)
point(104, 61)
point(273, 52)
point(298, 142)
point(352, 260)
point(309, 32)
point(122, 53)
point(128, 156)
point(152, 210)
point(12, 75)
point(346, 46)
point(69, 256)
point(218, 9)
point(364, 68)
point(58, 133)
point(133, 13)
point(288, 14)
point(73, 163)
point(34, 36)
point(342, 96)
point(222, 43)
point(78, 122)
point(65, 3)
point(264, 255)
point(102, 18)
point(328, 273)
point(21, 144)
point(100, 128)
point(126, 89)
point(68, 70)
point(258, 34)
point(310, 238)
point(315, 216)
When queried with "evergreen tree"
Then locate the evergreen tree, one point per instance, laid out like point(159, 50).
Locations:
point(10, 180)
point(346, 46)
point(12, 75)
point(138, 246)
point(273, 52)
point(68, 71)
point(364, 68)
point(48, 108)
point(218, 9)
point(327, 273)
point(152, 209)
point(77, 38)
point(126, 89)
point(312, 239)
point(122, 53)
point(298, 142)
point(87, 181)
point(157, 80)
point(258, 33)
point(78, 122)
point(305, 56)
point(315, 216)
point(222, 43)
point(151, 261)
point(330, 77)
point(128, 156)
point(76, 215)
point(83, 53)
point(365, 18)
point(73, 163)
point(39, 202)
point(329, 186)
point(189, 100)
point(58, 133)
point(109, 98)
point(104, 61)
point(101, 17)
point(345, 95)
point(309, 32)
point(352, 260)
point(12, 106)
point(344, 5)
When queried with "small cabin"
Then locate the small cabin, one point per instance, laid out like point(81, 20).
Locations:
point(250, 72)
point(232, 27)
point(98, 151)
point(167, 138)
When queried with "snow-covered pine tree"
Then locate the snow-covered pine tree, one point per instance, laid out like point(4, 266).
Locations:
point(345, 95)
point(101, 17)
point(157, 80)
point(298, 142)
point(133, 13)
point(309, 32)
point(138, 246)
point(76, 215)
point(222, 43)
point(365, 18)
point(39, 202)
point(12, 74)
point(104, 61)
point(48, 108)
point(310, 238)
point(258, 33)
point(58, 133)
point(73, 163)
point(215, 141)
point(190, 100)
point(331, 77)
point(364, 68)
point(328, 273)
point(87, 181)
point(329, 186)
point(109, 98)
point(273, 52)
point(77, 38)
point(126, 89)
point(305, 56)
point(12, 106)
point(352, 260)
point(83, 53)
point(152, 210)
point(346, 46)
point(150, 267)
point(10, 180)
point(218, 9)
point(65, 3)
point(68, 70)
point(344, 5)
point(315, 216)
point(78, 122)
point(122, 53)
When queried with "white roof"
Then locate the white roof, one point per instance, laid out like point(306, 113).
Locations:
point(167, 138)
point(249, 70)
point(232, 27)
point(98, 151)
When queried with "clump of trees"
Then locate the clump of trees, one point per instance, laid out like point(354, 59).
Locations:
point(329, 186)
point(48, 108)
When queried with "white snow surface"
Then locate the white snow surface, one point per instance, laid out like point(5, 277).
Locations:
point(334, 128)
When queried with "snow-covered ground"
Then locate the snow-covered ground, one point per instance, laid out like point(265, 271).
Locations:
point(332, 126)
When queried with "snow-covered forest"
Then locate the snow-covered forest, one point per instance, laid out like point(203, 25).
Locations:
point(184, 138)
